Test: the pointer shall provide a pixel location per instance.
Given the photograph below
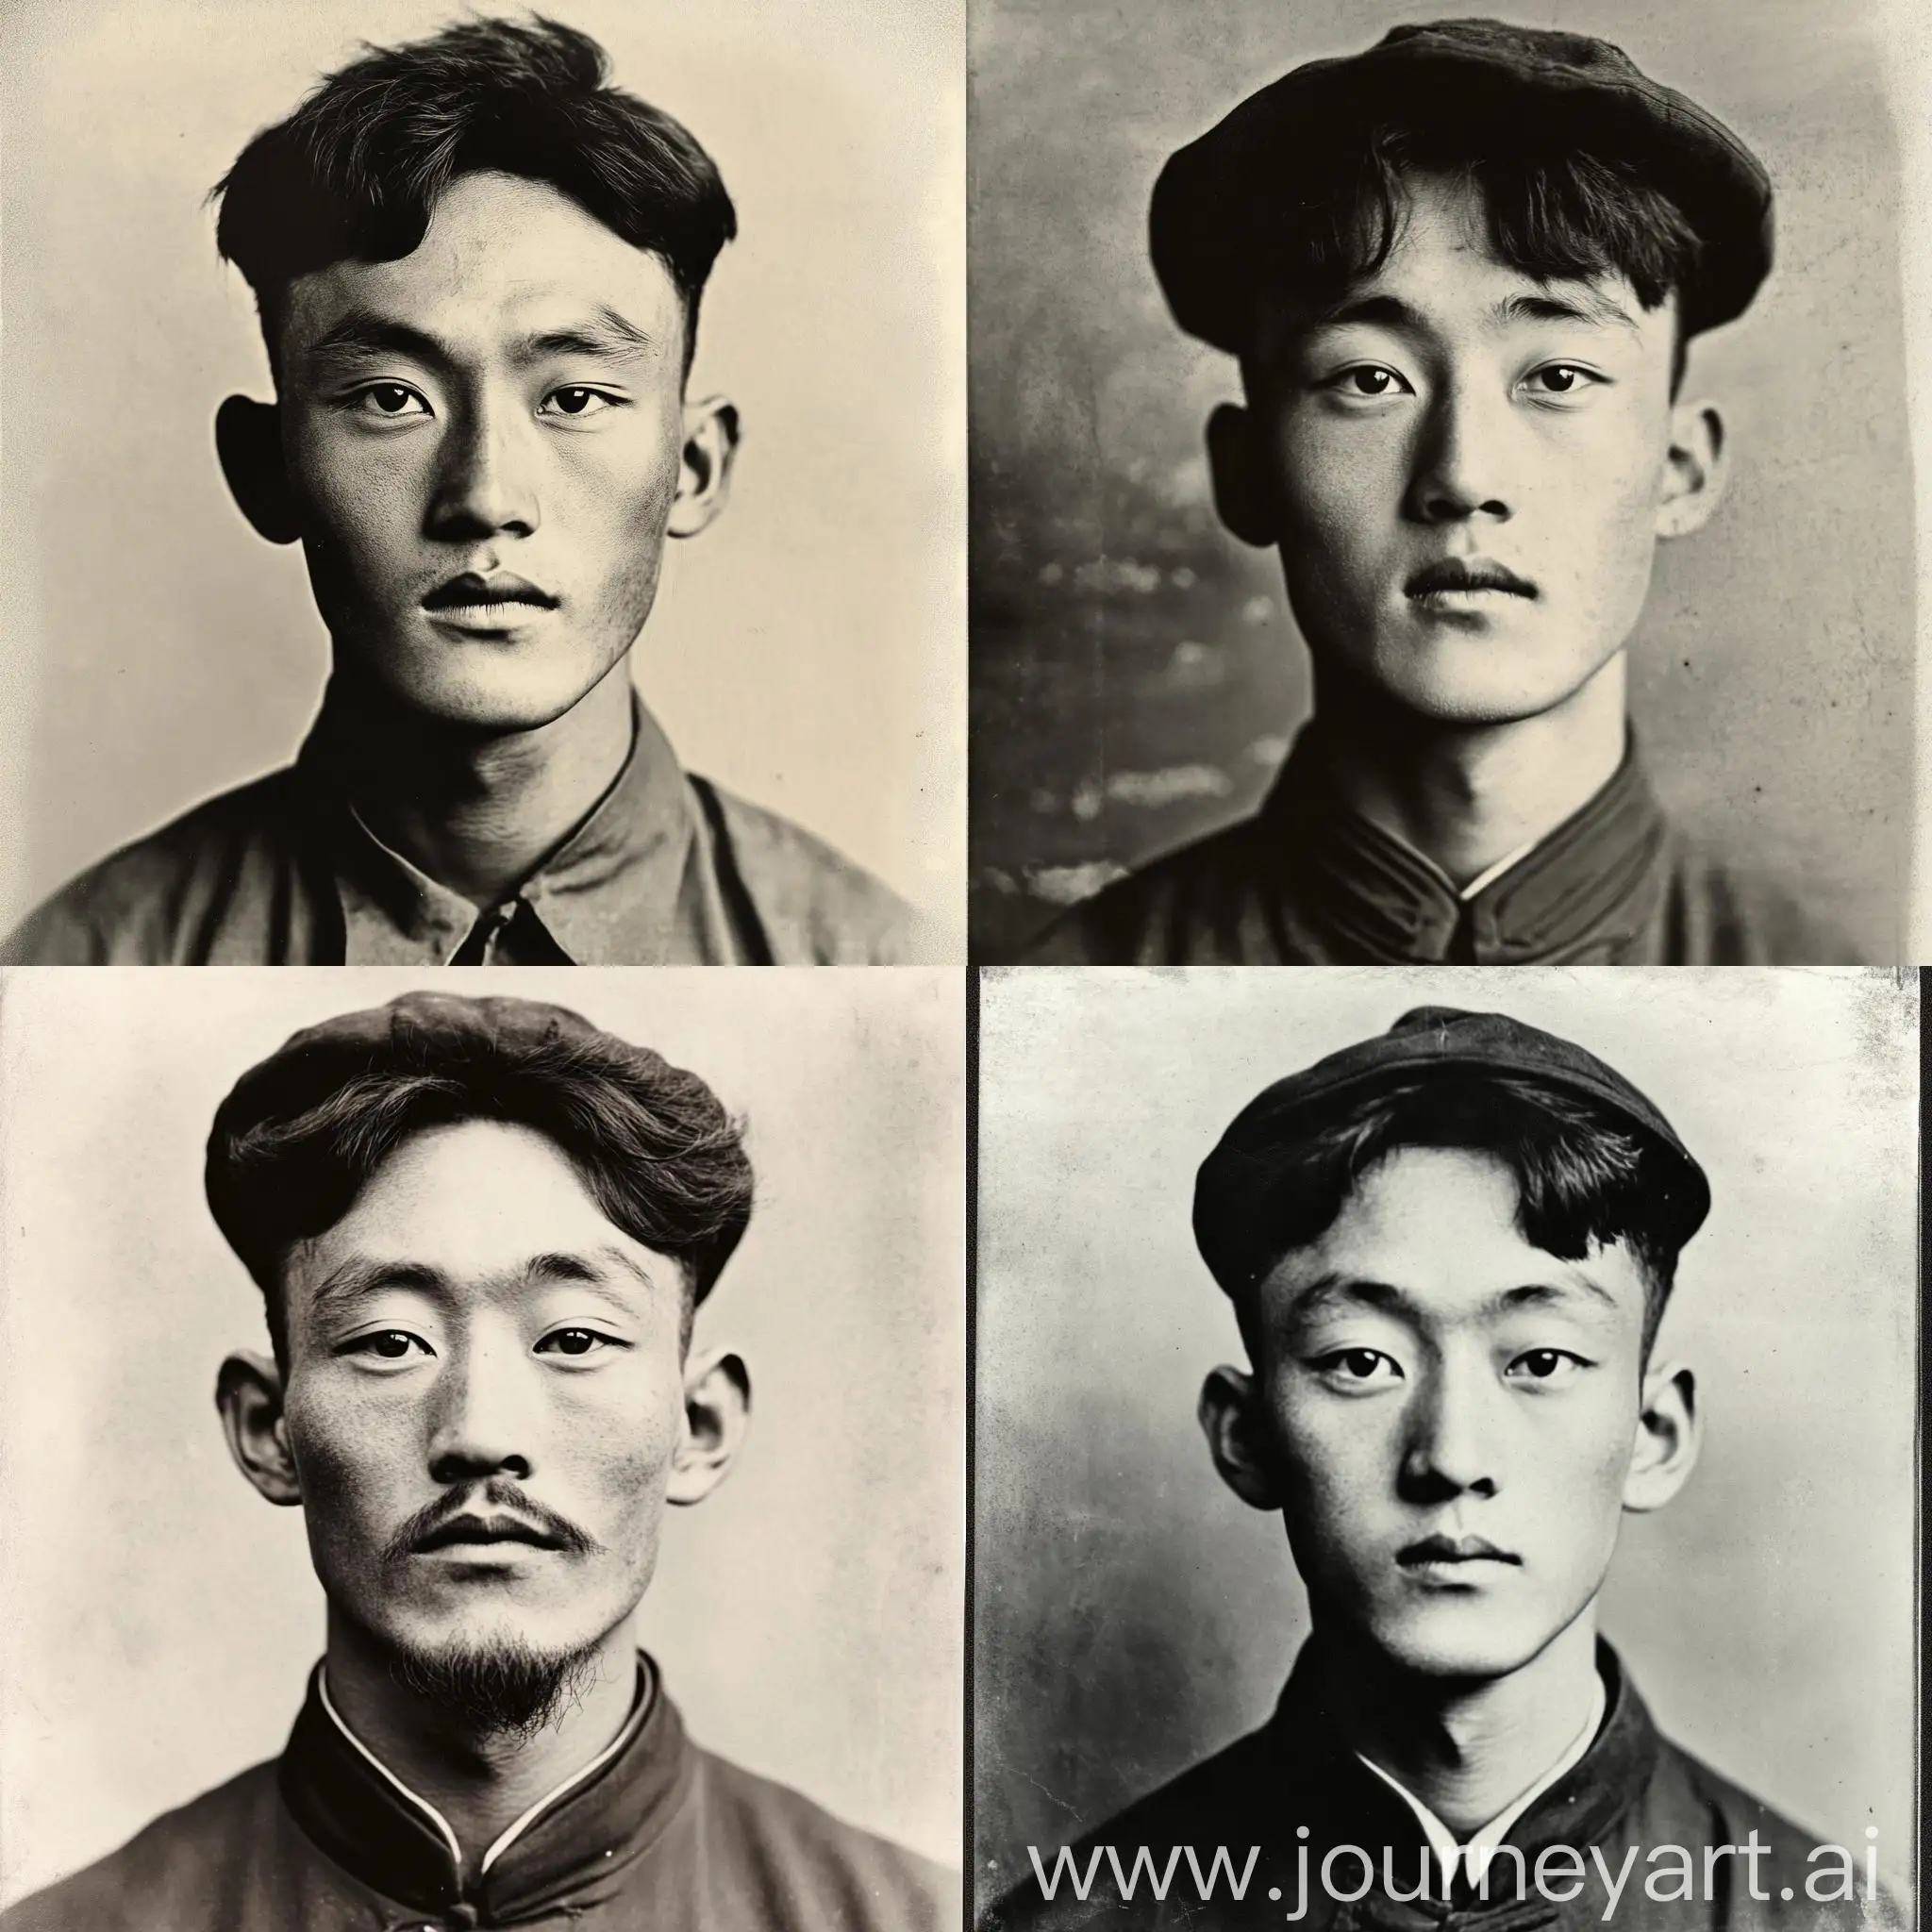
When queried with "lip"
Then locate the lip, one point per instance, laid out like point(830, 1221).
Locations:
point(498, 601)
point(470, 1533)
point(1450, 580)
point(1446, 1553)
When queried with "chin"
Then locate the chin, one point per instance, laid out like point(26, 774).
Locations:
point(1463, 1639)
point(1473, 680)
point(493, 688)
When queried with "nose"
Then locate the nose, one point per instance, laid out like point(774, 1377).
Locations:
point(1451, 1448)
point(486, 482)
point(479, 1425)
point(1462, 457)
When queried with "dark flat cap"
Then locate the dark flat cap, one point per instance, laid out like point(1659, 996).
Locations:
point(1218, 195)
point(1234, 1222)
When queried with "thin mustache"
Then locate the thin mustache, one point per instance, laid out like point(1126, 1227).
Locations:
point(1459, 573)
point(495, 1499)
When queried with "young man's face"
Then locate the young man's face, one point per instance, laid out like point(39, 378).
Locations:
point(1451, 416)
point(483, 445)
point(1452, 1414)
point(474, 1348)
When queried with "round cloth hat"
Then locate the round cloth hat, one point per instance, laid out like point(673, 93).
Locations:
point(1234, 1191)
point(1216, 197)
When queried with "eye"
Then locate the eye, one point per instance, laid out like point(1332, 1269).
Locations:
point(1371, 382)
point(1546, 1365)
point(575, 401)
point(1560, 379)
point(1359, 1368)
point(386, 1344)
point(390, 399)
point(575, 1341)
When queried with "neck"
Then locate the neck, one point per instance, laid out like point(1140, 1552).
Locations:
point(480, 1783)
point(1468, 797)
point(478, 811)
point(1466, 1748)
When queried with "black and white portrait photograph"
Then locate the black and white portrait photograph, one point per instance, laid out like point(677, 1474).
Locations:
point(1442, 488)
point(1445, 1449)
point(484, 485)
point(482, 1452)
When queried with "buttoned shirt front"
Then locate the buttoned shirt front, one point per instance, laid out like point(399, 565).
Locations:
point(1311, 881)
point(667, 869)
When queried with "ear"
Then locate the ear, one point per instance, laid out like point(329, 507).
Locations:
point(1242, 498)
point(1236, 1425)
point(248, 1392)
point(1695, 471)
point(703, 470)
point(717, 1411)
point(1668, 1436)
point(248, 440)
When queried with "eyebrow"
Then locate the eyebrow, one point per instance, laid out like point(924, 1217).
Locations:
point(1334, 1290)
point(362, 1275)
point(1392, 312)
point(604, 334)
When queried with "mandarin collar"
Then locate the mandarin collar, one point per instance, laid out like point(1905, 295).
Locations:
point(575, 1850)
point(608, 895)
point(1579, 893)
point(1327, 1787)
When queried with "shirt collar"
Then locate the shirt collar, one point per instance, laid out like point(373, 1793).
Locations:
point(572, 1847)
point(1587, 885)
point(608, 895)
point(1480, 1846)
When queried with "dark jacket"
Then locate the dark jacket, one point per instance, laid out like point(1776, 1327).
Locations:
point(663, 1836)
point(668, 869)
point(1632, 1791)
point(1308, 881)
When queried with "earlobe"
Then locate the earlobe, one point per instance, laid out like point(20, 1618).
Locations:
point(248, 440)
point(1237, 1431)
point(1241, 497)
point(248, 1393)
point(717, 1412)
point(1695, 469)
point(1669, 1434)
point(703, 470)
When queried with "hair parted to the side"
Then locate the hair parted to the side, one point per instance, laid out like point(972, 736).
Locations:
point(1553, 213)
point(1584, 1181)
point(354, 174)
point(652, 1143)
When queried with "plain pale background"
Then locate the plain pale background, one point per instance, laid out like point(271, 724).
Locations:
point(806, 651)
point(1136, 674)
point(160, 1617)
point(1132, 1615)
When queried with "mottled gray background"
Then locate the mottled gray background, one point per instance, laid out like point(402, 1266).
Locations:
point(1131, 1615)
point(806, 651)
point(160, 1618)
point(1135, 670)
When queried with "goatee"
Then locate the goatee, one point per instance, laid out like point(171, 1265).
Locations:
point(503, 1689)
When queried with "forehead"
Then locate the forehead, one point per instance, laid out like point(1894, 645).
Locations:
point(1436, 1227)
point(1442, 272)
point(502, 255)
point(471, 1203)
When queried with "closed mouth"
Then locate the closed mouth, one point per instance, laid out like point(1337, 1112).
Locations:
point(1466, 574)
point(480, 1529)
point(474, 599)
point(1453, 1549)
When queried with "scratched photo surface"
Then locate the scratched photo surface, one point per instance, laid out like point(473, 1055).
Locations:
point(1132, 1616)
point(160, 1618)
point(1136, 674)
point(807, 652)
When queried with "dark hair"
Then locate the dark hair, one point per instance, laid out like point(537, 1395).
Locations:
point(356, 171)
point(652, 1143)
point(1583, 1178)
point(1553, 213)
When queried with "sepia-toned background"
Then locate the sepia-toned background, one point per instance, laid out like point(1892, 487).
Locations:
point(160, 1618)
point(1136, 674)
point(1132, 1616)
point(806, 651)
